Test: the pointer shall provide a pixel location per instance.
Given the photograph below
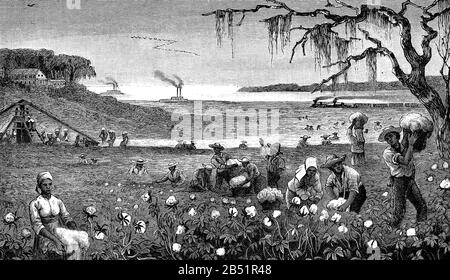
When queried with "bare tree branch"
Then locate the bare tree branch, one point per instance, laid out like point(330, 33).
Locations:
point(379, 50)
point(254, 10)
point(302, 42)
point(343, 4)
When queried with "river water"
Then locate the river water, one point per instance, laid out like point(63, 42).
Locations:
point(229, 117)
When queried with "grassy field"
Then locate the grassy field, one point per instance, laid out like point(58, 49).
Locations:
point(108, 188)
point(81, 185)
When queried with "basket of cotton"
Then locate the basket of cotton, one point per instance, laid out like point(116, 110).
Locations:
point(419, 124)
point(360, 118)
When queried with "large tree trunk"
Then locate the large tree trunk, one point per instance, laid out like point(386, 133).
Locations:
point(433, 103)
point(442, 134)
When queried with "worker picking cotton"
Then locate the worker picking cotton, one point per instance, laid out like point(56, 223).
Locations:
point(305, 184)
point(174, 176)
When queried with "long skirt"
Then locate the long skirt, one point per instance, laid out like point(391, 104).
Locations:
point(358, 158)
point(45, 249)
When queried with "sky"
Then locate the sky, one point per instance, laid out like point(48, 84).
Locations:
point(101, 31)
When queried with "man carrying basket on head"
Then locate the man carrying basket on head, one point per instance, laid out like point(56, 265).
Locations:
point(399, 158)
point(355, 133)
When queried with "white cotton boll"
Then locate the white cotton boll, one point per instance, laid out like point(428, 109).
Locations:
point(445, 184)
point(343, 229)
point(220, 251)
point(411, 232)
point(336, 218)
point(296, 200)
point(215, 214)
point(233, 212)
point(385, 194)
point(304, 211)
point(176, 247)
point(313, 209)
point(430, 179)
point(372, 244)
point(276, 213)
point(434, 166)
point(368, 223)
point(267, 222)
point(192, 212)
point(445, 165)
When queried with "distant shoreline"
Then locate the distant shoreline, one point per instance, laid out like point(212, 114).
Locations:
point(435, 81)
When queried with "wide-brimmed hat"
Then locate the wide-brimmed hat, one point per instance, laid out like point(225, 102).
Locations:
point(124, 133)
point(245, 160)
point(207, 166)
point(274, 149)
point(140, 161)
point(172, 164)
point(387, 130)
point(244, 141)
point(82, 156)
point(216, 146)
point(325, 136)
point(332, 160)
point(306, 137)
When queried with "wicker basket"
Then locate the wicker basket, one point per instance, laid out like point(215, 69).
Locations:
point(266, 205)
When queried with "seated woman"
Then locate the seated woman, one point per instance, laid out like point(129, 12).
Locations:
point(46, 214)
point(305, 185)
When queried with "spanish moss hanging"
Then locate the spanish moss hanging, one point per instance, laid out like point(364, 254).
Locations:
point(279, 29)
point(223, 16)
point(380, 20)
point(321, 39)
point(371, 65)
point(350, 28)
point(342, 50)
point(444, 19)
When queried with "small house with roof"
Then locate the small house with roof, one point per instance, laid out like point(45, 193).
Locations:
point(29, 76)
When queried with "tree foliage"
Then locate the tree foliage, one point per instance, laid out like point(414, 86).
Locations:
point(68, 67)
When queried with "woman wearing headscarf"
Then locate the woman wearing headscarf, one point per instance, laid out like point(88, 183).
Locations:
point(49, 217)
point(306, 184)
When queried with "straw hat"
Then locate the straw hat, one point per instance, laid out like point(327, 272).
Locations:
point(274, 149)
point(216, 146)
point(140, 161)
point(172, 164)
point(245, 160)
point(207, 166)
point(387, 130)
point(332, 160)
point(306, 137)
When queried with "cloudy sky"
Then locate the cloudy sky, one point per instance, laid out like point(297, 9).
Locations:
point(101, 29)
